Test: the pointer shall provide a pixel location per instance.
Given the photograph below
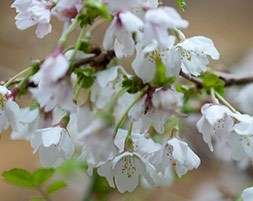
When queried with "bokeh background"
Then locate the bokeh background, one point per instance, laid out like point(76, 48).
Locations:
point(228, 23)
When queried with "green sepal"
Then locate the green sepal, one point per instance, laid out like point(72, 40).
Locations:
point(188, 92)
point(85, 77)
point(160, 78)
point(134, 84)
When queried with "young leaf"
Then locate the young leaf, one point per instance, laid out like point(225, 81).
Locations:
point(182, 4)
point(212, 81)
point(55, 186)
point(19, 177)
point(42, 175)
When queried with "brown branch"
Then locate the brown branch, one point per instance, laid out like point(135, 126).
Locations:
point(232, 79)
point(99, 60)
point(193, 79)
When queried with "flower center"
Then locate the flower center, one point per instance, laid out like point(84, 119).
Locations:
point(128, 167)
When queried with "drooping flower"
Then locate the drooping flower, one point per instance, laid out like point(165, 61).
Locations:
point(54, 88)
point(216, 120)
point(107, 83)
point(34, 12)
point(28, 122)
point(9, 111)
point(97, 145)
point(119, 35)
point(125, 170)
point(175, 153)
point(66, 10)
point(52, 69)
point(192, 54)
point(54, 145)
point(154, 109)
point(157, 23)
point(55, 94)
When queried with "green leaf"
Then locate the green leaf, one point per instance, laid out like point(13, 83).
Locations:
point(42, 175)
point(182, 4)
point(212, 81)
point(19, 177)
point(85, 77)
point(93, 9)
point(134, 84)
point(55, 186)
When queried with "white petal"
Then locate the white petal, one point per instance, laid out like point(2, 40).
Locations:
point(51, 136)
point(247, 194)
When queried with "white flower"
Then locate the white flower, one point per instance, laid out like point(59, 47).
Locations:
point(129, 167)
point(28, 122)
point(217, 120)
point(66, 10)
point(53, 88)
point(119, 35)
point(55, 94)
point(154, 109)
point(241, 139)
point(193, 54)
point(157, 23)
point(98, 147)
point(124, 171)
point(123, 103)
point(247, 194)
point(107, 83)
point(9, 111)
point(144, 64)
point(175, 153)
point(231, 129)
point(52, 69)
point(32, 12)
point(54, 145)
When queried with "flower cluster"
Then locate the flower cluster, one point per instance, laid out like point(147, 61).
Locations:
point(125, 126)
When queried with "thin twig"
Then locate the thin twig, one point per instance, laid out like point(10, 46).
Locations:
point(232, 79)
point(195, 80)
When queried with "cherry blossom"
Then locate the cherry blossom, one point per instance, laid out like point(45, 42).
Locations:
point(66, 10)
point(34, 12)
point(216, 120)
point(28, 122)
point(154, 109)
point(107, 83)
point(54, 145)
point(193, 54)
point(119, 35)
point(175, 153)
point(9, 111)
point(157, 23)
